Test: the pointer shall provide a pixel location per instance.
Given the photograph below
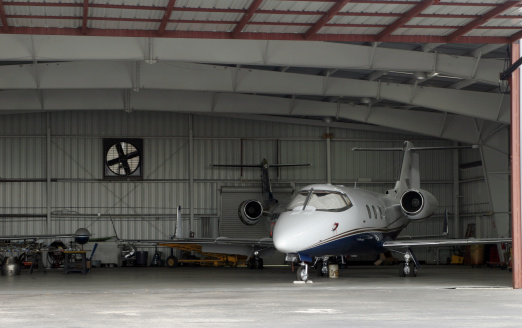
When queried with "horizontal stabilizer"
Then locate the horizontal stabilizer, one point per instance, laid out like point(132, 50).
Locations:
point(236, 165)
point(259, 165)
point(415, 148)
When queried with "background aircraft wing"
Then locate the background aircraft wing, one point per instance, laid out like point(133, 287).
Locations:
point(266, 242)
point(26, 237)
point(444, 242)
point(221, 245)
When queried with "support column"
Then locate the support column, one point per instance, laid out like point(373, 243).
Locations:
point(515, 169)
point(48, 174)
point(191, 175)
point(328, 156)
point(456, 194)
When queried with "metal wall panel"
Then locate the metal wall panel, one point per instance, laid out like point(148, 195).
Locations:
point(475, 197)
point(305, 151)
point(119, 198)
point(166, 158)
point(23, 125)
point(217, 151)
point(29, 226)
point(76, 158)
point(23, 198)
point(227, 127)
point(22, 158)
point(118, 124)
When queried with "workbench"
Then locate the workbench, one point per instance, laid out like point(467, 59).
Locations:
point(72, 265)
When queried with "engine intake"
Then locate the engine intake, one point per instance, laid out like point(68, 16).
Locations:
point(418, 204)
point(250, 211)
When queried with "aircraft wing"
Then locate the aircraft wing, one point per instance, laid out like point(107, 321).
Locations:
point(222, 245)
point(444, 242)
point(266, 242)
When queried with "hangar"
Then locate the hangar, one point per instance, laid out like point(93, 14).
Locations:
point(194, 83)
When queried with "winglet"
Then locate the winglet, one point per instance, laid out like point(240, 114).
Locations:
point(179, 224)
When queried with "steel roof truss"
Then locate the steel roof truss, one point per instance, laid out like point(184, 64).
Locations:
point(198, 77)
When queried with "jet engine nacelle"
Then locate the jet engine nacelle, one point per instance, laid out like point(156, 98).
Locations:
point(250, 211)
point(418, 204)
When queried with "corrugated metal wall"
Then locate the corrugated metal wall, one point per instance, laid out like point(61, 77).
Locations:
point(146, 208)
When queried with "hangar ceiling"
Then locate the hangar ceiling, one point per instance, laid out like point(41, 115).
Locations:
point(428, 67)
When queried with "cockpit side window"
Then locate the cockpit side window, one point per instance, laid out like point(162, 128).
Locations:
point(369, 212)
point(322, 200)
point(374, 212)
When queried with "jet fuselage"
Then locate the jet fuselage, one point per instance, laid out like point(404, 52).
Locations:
point(327, 220)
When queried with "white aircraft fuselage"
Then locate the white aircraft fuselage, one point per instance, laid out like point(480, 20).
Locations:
point(338, 221)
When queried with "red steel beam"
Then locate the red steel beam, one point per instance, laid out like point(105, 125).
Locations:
point(515, 37)
point(219, 22)
point(85, 16)
point(271, 12)
point(404, 2)
point(3, 17)
point(166, 17)
point(114, 6)
point(253, 36)
point(246, 17)
point(482, 19)
point(405, 18)
point(326, 18)
point(409, 2)
point(515, 170)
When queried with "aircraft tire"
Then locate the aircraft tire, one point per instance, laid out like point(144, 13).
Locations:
point(301, 275)
point(257, 264)
point(172, 262)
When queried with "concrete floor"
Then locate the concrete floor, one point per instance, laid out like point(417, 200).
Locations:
point(363, 296)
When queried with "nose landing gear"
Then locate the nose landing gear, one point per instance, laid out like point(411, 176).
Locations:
point(302, 272)
point(409, 268)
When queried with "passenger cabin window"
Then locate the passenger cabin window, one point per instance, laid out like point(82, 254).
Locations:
point(322, 200)
point(369, 212)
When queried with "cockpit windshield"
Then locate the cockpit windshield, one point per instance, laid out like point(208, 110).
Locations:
point(322, 200)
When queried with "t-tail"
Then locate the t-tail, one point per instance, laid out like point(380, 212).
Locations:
point(416, 203)
point(250, 211)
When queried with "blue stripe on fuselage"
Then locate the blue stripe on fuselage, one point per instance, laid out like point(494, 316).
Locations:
point(359, 244)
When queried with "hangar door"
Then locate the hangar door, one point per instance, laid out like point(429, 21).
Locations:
point(230, 225)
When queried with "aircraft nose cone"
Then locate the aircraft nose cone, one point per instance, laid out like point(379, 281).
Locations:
point(283, 235)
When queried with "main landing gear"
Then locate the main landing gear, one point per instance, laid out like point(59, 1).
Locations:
point(409, 268)
point(255, 262)
point(322, 266)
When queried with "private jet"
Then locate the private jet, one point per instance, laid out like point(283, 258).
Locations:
point(324, 221)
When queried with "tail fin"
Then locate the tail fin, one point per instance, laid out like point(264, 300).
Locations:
point(409, 177)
